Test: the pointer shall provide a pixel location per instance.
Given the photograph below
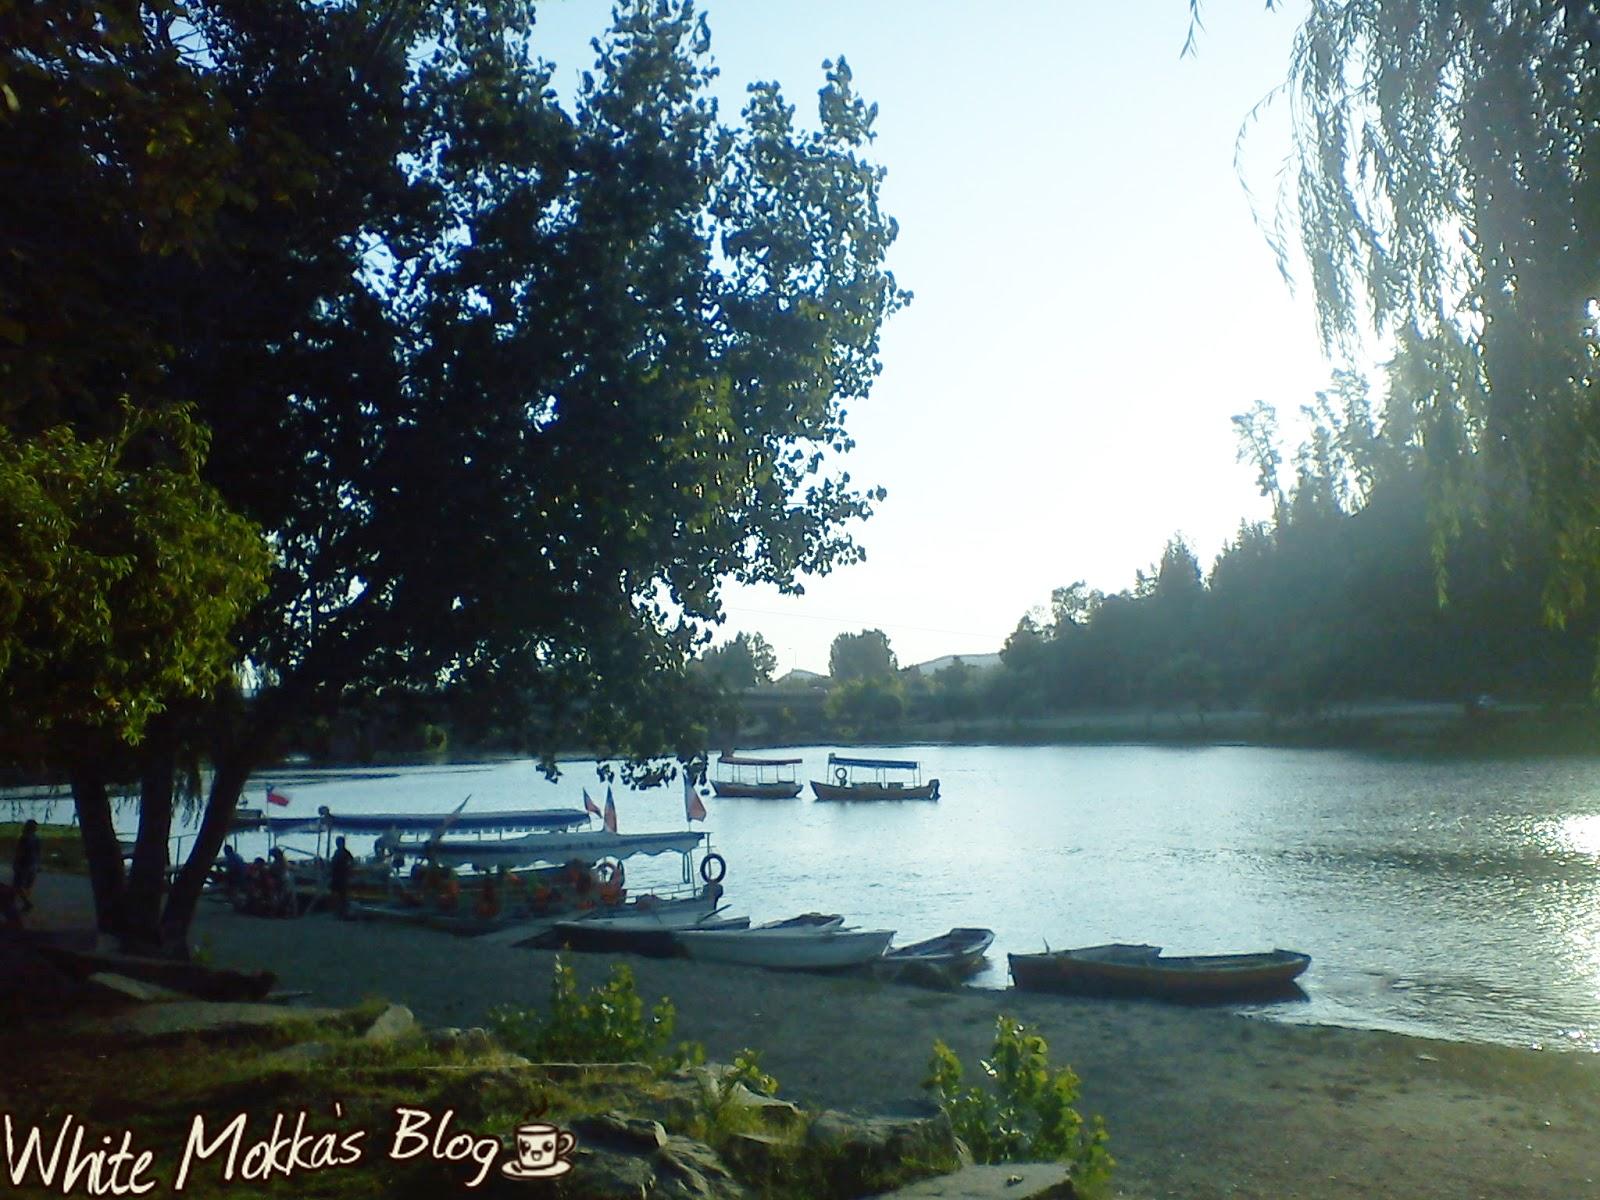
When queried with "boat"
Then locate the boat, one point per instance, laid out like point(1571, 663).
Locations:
point(957, 952)
point(743, 778)
point(812, 921)
point(396, 823)
point(1142, 970)
point(488, 854)
point(788, 949)
point(874, 779)
point(653, 933)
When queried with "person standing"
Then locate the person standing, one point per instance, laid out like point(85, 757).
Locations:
point(25, 866)
point(339, 879)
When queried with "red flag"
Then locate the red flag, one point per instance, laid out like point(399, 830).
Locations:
point(693, 809)
point(274, 796)
point(611, 812)
point(589, 806)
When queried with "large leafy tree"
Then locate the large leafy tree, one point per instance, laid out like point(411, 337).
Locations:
point(1448, 196)
point(511, 384)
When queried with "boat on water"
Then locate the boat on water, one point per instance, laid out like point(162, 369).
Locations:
point(640, 932)
point(740, 777)
point(874, 779)
point(1142, 970)
point(795, 948)
point(957, 952)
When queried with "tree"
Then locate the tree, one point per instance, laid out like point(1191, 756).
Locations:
point(864, 655)
point(510, 387)
point(1448, 196)
point(745, 662)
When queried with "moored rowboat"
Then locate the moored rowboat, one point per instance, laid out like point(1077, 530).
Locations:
point(958, 952)
point(1142, 970)
point(789, 949)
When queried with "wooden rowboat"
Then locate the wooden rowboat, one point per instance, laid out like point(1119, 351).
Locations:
point(958, 952)
point(1140, 970)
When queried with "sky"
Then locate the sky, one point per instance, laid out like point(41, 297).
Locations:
point(1093, 296)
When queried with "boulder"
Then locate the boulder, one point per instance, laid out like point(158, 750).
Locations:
point(758, 1158)
point(621, 1131)
point(860, 1155)
point(678, 1170)
point(395, 1021)
point(1007, 1181)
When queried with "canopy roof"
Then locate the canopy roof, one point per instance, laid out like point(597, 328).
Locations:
point(740, 760)
point(893, 764)
point(369, 822)
point(556, 848)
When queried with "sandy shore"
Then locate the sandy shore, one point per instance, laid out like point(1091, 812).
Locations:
point(1200, 1103)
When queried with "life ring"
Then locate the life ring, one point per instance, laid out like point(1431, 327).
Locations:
point(609, 870)
point(706, 866)
point(842, 776)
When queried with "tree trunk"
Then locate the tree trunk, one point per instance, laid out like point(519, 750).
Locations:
point(101, 849)
point(141, 906)
point(231, 773)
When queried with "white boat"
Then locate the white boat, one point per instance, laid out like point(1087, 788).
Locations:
point(787, 949)
point(637, 933)
point(532, 848)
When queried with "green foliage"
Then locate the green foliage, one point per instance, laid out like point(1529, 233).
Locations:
point(122, 579)
point(1028, 1113)
point(718, 1113)
point(864, 655)
point(607, 1024)
point(867, 706)
point(746, 661)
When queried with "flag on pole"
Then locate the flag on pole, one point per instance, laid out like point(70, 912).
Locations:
point(274, 796)
point(611, 812)
point(443, 826)
point(589, 806)
point(693, 809)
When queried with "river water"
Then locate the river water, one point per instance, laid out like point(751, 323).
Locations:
point(1449, 898)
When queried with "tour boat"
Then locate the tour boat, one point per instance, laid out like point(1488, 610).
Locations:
point(743, 778)
point(874, 779)
point(1141, 970)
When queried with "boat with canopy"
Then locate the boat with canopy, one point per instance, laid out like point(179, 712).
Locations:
point(741, 777)
point(874, 779)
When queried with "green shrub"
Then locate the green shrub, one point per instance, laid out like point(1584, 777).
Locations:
point(608, 1024)
point(1029, 1114)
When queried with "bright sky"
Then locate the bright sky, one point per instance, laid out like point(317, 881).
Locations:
point(1093, 299)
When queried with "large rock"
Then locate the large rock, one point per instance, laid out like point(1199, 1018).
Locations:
point(678, 1170)
point(1008, 1181)
point(395, 1021)
point(861, 1155)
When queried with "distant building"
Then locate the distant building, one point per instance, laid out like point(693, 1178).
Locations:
point(978, 662)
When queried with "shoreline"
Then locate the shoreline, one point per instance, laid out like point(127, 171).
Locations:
point(1200, 1103)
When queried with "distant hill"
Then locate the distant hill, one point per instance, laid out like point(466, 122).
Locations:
point(980, 662)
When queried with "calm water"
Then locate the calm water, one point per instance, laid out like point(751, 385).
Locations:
point(1452, 899)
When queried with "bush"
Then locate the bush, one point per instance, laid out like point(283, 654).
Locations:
point(1028, 1115)
point(609, 1024)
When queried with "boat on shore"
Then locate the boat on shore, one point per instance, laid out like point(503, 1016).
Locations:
point(874, 779)
point(958, 952)
point(740, 777)
point(794, 948)
point(652, 933)
point(1142, 970)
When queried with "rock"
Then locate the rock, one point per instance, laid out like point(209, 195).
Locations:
point(396, 1021)
point(180, 1018)
point(302, 1054)
point(621, 1131)
point(133, 989)
point(757, 1158)
point(623, 1072)
point(860, 1155)
point(1007, 1181)
point(470, 1043)
point(773, 1113)
point(679, 1170)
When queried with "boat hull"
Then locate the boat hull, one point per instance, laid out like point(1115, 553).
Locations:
point(823, 949)
point(874, 791)
point(652, 936)
point(755, 791)
point(959, 952)
point(1137, 970)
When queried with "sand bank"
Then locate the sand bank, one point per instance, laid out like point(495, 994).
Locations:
point(1200, 1103)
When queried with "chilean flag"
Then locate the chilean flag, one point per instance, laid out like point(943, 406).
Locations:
point(274, 796)
point(589, 806)
point(693, 809)
point(611, 812)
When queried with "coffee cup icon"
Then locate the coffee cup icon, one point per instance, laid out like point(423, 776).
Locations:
point(542, 1151)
